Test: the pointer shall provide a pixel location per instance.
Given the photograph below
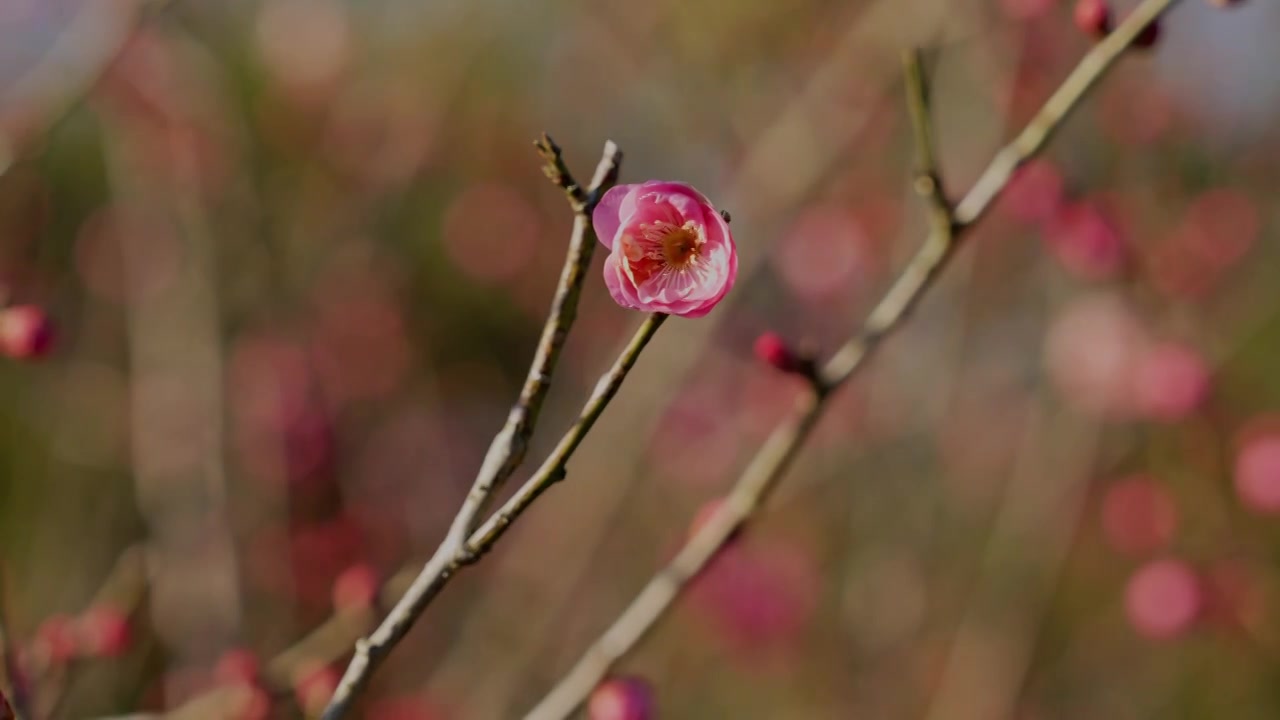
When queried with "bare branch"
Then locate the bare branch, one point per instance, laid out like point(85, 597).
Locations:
point(554, 468)
point(771, 461)
point(508, 448)
point(442, 567)
point(510, 445)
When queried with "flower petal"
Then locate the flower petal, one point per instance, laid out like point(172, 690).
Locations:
point(619, 285)
point(607, 216)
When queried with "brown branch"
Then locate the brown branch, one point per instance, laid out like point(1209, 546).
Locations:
point(553, 469)
point(442, 567)
point(334, 637)
point(772, 460)
point(508, 448)
point(510, 445)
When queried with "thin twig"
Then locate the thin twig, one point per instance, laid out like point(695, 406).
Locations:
point(928, 181)
point(771, 461)
point(510, 445)
point(442, 567)
point(554, 468)
point(334, 636)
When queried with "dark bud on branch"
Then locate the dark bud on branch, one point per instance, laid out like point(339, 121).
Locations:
point(774, 351)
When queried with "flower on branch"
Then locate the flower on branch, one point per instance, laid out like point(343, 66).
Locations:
point(671, 251)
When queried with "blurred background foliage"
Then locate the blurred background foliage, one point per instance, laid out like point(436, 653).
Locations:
point(297, 253)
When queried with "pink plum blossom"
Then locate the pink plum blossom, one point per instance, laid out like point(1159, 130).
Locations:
point(1163, 598)
point(670, 251)
point(1171, 381)
point(1257, 474)
point(1138, 515)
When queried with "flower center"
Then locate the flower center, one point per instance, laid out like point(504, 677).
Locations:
point(678, 245)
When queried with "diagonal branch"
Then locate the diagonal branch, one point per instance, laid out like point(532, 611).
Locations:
point(334, 636)
point(554, 468)
point(510, 445)
point(444, 565)
point(775, 456)
point(508, 448)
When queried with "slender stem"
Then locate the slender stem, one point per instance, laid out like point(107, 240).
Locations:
point(771, 461)
point(508, 448)
point(928, 183)
point(554, 468)
point(448, 561)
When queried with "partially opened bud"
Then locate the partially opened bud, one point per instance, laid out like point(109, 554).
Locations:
point(1093, 17)
point(774, 351)
point(623, 698)
point(26, 332)
point(1149, 35)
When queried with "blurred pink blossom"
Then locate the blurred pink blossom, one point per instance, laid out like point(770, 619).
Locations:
point(491, 232)
point(305, 45)
point(1035, 193)
point(825, 252)
point(1086, 241)
point(1090, 353)
point(237, 665)
point(759, 597)
point(1257, 474)
point(56, 638)
point(1093, 17)
point(1220, 226)
point(356, 588)
point(1163, 598)
point(671, 252)
point(1138, 515)
point(1170, 382)
point(282, 432)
